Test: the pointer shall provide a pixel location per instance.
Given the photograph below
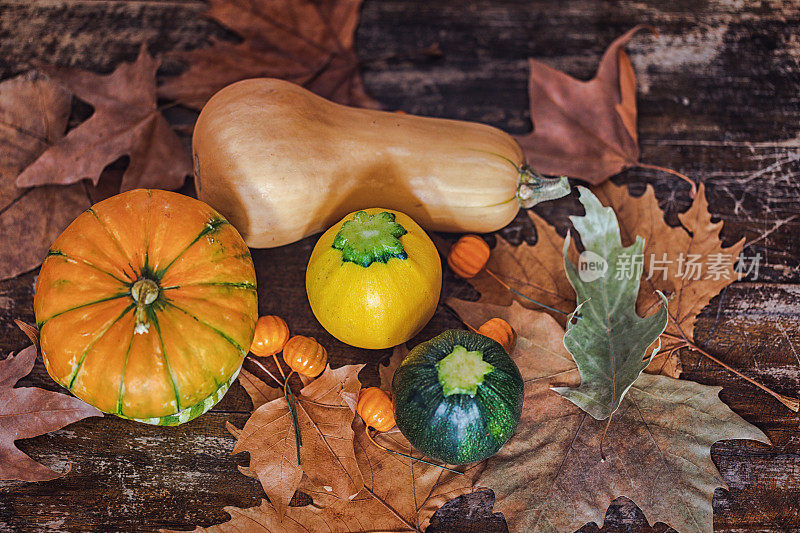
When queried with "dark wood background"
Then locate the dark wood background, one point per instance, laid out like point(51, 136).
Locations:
point(718, 100)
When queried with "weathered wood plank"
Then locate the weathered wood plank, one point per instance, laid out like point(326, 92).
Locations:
point(718, 100)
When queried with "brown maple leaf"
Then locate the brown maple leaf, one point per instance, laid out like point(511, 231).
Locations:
point(586, 129)
point(386, 372)
point(126, 121)
point(670, 252)
point(308, 42)
point(398, 496)
point(327, 456)
point(551, 477)
point(27, 412)
point(33, 117)
point(259, 392)
point(538, 271)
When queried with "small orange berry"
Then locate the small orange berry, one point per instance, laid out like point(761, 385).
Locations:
point(468, 256)
point(270, 336)
point(375, 409)
point(305, 356)
point(501, 331)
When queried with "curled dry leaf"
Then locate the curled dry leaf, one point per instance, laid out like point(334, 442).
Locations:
point(327, 455)
point(550, 475)
point(538, 271)
point(308, 42)
point(27, 412)
point(126, 121)
point(33, 117)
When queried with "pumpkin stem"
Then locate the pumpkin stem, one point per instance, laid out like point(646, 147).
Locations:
point(144, 292)
point(366, 239)
point(533, 188)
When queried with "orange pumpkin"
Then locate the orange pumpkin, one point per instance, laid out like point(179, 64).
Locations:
point(501, 331)
point(270, 337)
point(305, 356)
point(468, 256)
point(146, 305)
point(375, 409)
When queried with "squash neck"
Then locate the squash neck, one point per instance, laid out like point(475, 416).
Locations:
point(462, 371)
point(366, 239)
point(533, 188)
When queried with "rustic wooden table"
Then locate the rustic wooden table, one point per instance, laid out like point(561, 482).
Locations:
point(718, 100)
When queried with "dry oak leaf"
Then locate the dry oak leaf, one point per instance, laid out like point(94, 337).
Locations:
point(550, 475)
point(33, 116)
point(327, 456)
point(308, 42)
point(27, 412)
point(402, 494)
point(584, 129)
point(538, 271)
point(126, 121)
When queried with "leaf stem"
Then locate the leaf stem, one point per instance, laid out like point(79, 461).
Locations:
point(384, 448)
point(603, 438)
point(262, 367)
point(684, 177)
point(791, 403)
point(287, 393)
point(291, 401)
point(514, 291)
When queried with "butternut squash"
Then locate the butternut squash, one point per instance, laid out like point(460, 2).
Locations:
point(281, 163)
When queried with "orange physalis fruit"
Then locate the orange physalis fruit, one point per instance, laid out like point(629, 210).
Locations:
point(375, 409)
point(468, 256)
point(270, 336)
point(305, 356)
point(501, 331)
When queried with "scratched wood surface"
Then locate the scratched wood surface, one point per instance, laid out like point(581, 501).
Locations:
point(718, 100)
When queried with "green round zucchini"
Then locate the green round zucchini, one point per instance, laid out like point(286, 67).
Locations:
point(458, 397)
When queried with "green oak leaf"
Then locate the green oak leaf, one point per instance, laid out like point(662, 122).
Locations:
point(604, 334)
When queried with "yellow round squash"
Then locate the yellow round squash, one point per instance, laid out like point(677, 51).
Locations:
point(146, 306)
point(374, 278)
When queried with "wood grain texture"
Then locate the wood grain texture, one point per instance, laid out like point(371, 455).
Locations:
point(718, 100)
